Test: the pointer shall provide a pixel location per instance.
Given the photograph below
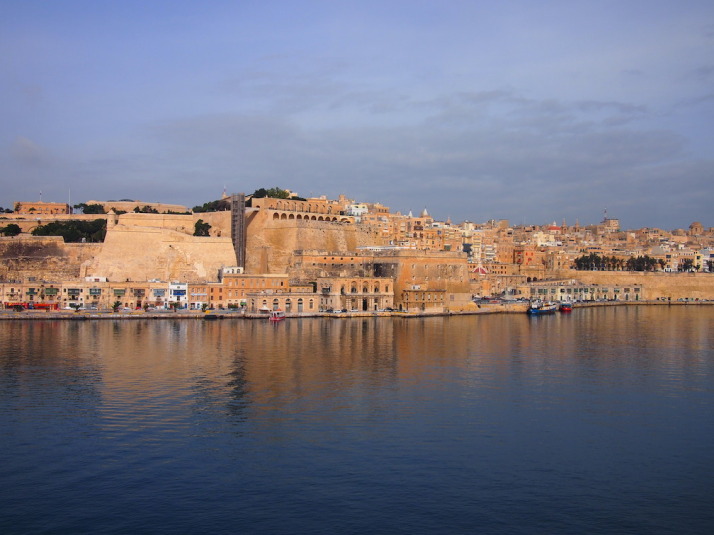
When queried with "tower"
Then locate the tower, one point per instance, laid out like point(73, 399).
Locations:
point(238, 227)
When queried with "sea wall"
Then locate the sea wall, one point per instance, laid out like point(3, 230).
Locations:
point(657, 285)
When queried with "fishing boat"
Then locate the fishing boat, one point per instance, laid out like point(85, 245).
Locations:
point(566, 307)
point(538, 307)
point(277, 315)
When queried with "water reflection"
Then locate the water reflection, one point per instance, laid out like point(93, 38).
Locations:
point(456, 422)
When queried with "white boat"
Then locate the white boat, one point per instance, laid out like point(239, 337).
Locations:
point(277, 315)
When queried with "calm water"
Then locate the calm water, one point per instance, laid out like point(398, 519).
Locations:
point(596, 422)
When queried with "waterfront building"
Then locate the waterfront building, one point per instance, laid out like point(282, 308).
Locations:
point(295, 299)
point(573, 290)
point(237, 286)
point(178, 293)
point(355, 293)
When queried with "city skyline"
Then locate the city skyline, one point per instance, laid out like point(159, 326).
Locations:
point(523, 112)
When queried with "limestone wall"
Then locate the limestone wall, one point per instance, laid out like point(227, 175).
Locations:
point(271, 242)
point(44, 258)
point(657, 285)
point(144, 253)
point(179, 223)
point(220, 222)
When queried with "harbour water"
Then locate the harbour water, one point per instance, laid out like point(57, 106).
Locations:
point(599, 421)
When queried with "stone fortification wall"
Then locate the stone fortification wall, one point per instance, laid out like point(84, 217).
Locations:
point(657, 285)
point(271, 242)
point(144, 253)
point(129, 206)
point(178, 223)
point(186, 224)
point(44, 258)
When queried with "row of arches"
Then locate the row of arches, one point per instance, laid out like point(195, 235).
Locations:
point(296, 206)
point(301, 206)
point(287, 217)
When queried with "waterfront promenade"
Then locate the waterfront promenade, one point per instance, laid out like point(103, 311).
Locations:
point(505, 307)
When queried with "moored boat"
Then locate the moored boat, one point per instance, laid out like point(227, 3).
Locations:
point(539, 307)
point(277, 315)
point(566, 307)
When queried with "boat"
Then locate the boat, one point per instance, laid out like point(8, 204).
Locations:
point(277, 315)
point(566, 307)
point(211, 317)
point(538, 307)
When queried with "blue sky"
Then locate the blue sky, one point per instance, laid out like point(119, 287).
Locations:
point(520, 110)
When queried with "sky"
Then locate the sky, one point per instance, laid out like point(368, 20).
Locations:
point(476, 110)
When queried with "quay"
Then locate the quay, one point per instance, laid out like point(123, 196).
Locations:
point(505, 307)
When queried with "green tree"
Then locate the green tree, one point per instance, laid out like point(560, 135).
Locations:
point(686, 265)
point(11, 230)
point(273, 193)
point(221, 205)
point(74, 231)
point(145, 210)
point(116, 306)
point(90, 208)
point(201, 228)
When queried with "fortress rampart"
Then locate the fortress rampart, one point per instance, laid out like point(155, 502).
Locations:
point(659, 285)
point(271, 242)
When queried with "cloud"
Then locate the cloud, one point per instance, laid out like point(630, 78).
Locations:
point(27, 152)
point(472, 156)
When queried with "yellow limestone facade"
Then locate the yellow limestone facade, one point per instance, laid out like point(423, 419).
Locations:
point(148, 246)
point(271, 242)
